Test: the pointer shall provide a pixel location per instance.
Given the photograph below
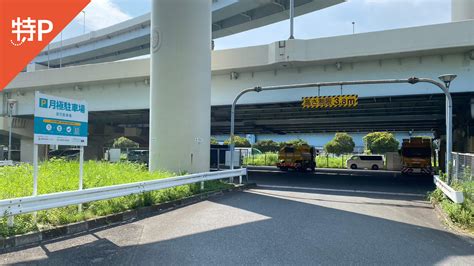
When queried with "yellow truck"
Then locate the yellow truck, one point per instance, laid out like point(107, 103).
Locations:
point(416, 153)
point(297, 157)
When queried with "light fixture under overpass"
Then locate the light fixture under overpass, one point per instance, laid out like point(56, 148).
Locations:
point(413, 80)
point(447, 78)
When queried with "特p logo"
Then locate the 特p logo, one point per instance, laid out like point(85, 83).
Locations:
point(27, 27)
point(28, 30)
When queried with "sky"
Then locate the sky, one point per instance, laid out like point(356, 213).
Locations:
point(368, 15)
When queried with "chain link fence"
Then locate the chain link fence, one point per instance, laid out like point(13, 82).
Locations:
point(463, 167)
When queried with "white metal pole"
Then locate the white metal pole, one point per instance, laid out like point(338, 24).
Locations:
point(61, 52)
point(35, 170)
point(84, 12)
point(413, 80)
point(81, 167)
point(81, 172)
point(10, 120)
point(449, 130)
point(48, 56)
point(292, 18)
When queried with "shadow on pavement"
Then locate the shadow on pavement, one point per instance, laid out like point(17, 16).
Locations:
point(347, 179)
point(294, 233)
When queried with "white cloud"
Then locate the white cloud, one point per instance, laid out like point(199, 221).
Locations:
point(100, 14)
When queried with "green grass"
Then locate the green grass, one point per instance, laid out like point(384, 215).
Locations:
point(324, 161)
point(58, 175)
point(266, 159)
point(271, 159)
point(460, 214)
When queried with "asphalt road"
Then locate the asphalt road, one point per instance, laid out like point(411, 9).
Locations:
point(293, 219)
point(367, 180)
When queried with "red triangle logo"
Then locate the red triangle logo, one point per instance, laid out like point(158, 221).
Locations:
point(27, 27)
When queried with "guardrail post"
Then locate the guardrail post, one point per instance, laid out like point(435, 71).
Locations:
point(11, 221)
point(218, 159)
point(202, 185)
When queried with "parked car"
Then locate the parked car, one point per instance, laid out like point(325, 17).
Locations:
point(138, 156)
point(363, 161)
point(69, 154)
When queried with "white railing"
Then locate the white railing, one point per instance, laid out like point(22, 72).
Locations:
point(10, 207)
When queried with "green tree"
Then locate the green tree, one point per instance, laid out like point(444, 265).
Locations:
point(381, 142)
point(123, 143)
point(239, 142)
point(295, 142)
point(267, 146)
point(341, 144)
point(214, 141)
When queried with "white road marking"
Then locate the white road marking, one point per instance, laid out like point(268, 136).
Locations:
point(342, 190)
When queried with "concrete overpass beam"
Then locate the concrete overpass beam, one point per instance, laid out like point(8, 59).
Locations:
point(180, 91)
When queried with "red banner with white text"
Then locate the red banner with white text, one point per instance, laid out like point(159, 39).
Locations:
point(27, 27)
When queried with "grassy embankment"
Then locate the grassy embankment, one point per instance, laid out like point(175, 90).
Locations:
point(59, 175)
point(460, 214)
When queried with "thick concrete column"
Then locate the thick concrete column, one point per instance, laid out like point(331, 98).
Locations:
point(462, 10)
point(180, 89)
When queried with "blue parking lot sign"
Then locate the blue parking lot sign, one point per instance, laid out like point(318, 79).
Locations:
point(60, 121)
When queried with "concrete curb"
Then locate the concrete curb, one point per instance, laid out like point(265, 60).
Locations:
point(36, 238)
point(452, 227)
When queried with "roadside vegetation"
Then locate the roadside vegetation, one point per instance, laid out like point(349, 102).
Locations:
point(460, 214)
point(322, 161)
point(60, 175)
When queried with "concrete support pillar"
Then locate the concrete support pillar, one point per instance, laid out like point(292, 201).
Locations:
point(26, 150)
point(180, 89)
point(462, 10)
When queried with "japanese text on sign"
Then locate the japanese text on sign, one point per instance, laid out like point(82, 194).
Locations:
point(340, 101)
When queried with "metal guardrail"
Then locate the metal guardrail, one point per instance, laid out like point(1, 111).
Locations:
point(10, 207)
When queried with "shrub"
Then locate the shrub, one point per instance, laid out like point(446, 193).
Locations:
point(239, 142)
point(266, 159)
point(123, 143)
point(381, 142)
point(267, 146)
point(295, 142)
point(341, 144)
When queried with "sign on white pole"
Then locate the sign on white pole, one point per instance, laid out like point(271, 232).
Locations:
point(60, 121)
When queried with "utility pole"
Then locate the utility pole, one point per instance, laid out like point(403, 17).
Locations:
point(11, 105)
point(84, 12)
point(292, 18)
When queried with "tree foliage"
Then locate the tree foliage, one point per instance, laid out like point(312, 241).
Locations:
point(123, 143)
point(239, 142)
point(267, 146)
point(295, 142)
point(381, 142)
point(214, 141)
point(341, 144)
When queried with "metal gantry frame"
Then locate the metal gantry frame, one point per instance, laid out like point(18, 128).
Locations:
point(413, 80)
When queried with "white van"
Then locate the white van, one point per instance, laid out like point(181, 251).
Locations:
point(364, 161)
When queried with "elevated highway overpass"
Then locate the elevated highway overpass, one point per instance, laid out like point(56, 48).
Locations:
point(131, 38)
point(118, 92)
